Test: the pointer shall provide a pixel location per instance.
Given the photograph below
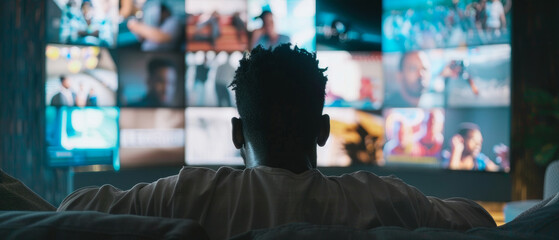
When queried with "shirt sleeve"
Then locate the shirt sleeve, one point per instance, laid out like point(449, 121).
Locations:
point(452, 213)
point(142, 199)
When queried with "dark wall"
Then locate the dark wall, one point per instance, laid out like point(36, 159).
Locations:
point(22, 114)
point(535, 64)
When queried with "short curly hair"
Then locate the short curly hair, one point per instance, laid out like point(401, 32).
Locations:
point(280, 96)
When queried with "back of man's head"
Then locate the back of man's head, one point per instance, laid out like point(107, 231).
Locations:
point(280, 96)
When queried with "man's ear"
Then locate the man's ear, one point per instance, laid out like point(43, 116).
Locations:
point(324, 131)
point(238, 137)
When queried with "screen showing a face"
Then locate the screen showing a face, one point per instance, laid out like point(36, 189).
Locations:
point(477, 139)
point(208, 75)
point(151, 79)
point(414, 25)
point(151, 137)
point(354, 79)
point(461, 77)
point(152, 25)
point(348, 25)
point(82, 22)
point(219, 25)
point(81, 136)
point(80, 76)
point(274, 22)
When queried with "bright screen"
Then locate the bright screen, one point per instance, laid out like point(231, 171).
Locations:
point(413, 84)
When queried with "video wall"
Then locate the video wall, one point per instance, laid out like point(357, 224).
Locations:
point(410, 83)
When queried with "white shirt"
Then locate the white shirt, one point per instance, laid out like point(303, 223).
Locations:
point(494, 11)
point(228, 202)
point(67, 93)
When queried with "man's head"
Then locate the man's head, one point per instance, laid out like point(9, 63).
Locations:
point(165, 12)
point(87, 9)
point(414, 74)
point(473, 139)
point(162, 78)
point(65, 81)
point(268, 22)
point(280, 97)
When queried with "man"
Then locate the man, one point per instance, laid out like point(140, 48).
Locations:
point(415, 85)
point(267, 36)
point(162, 81)
point(466, 150)
point(165, 36)
point(65, 97)
point(280, 97)
point(412, 78)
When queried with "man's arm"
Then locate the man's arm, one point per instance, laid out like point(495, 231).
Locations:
point(150, 33)
point(142, 199)
point(452, 213)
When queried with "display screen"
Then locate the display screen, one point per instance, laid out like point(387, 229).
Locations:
point(81, 136)
point(151, 137)
point(354, 79)
point(411, 84)
point(291, 20)
point(414, 25)
point(82, 22)
point(80, 76)
point(152, 25)
point(353, 25)
point(208, 76)
point(452, 77)
point(151, 79)
point(219, 25)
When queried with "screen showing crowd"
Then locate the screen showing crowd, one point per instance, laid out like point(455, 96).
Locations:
point(410, 83)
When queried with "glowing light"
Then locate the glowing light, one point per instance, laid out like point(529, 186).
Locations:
point(52, 53)
point(75, 52)
point(91, 63)
point(74, 66)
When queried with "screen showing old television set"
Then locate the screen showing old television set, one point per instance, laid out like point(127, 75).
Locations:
point(419, 84)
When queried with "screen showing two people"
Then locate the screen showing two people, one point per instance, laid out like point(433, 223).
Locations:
point(410, 83)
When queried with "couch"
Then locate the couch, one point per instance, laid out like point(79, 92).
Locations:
point(24, 215)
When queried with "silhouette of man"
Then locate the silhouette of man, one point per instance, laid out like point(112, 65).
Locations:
point(65, 97)
point(280, 97)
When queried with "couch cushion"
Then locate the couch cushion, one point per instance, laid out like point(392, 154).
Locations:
point(541, 222)
point(17, 196)
point(94, 225)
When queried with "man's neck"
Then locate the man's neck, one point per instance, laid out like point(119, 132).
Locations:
point(296, 162)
